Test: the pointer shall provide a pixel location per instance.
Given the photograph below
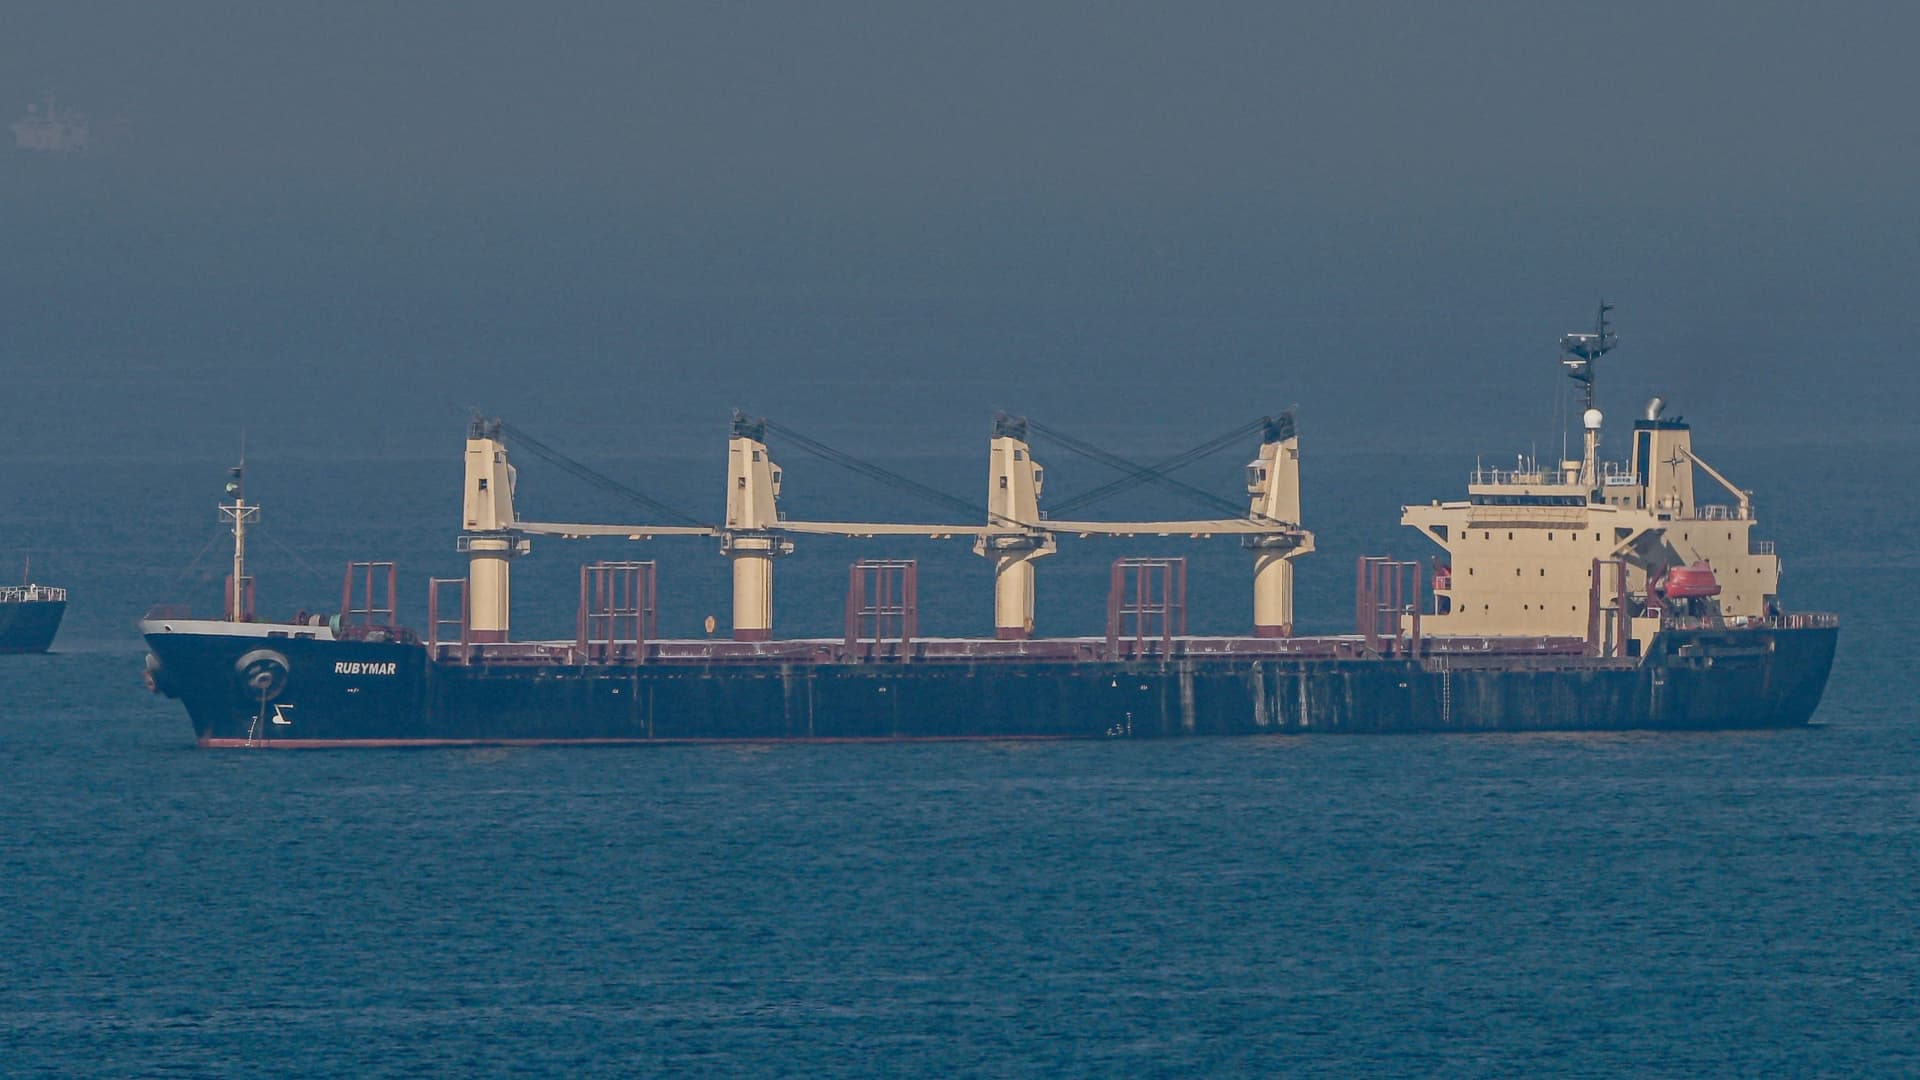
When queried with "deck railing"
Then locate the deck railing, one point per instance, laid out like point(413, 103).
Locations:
point(1717, 512)
point(1528, 477)
point(1610, 476)
point(1798, 620)
point(31, 594)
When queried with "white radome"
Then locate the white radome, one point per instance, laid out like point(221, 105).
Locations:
point(1593, 419)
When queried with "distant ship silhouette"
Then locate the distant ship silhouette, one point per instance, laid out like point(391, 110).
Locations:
point(50, 129)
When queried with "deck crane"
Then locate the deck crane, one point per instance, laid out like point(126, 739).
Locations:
point(755, 532)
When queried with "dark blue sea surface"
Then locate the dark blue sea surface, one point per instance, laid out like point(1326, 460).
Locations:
point(1652, 903)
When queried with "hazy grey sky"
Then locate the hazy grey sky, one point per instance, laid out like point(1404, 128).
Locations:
point(359, 218)
point(852, 104)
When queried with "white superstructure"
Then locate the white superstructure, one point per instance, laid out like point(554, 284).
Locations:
point(1577, 549)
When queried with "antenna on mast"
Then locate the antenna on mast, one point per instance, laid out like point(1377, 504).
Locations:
point(1583, 348)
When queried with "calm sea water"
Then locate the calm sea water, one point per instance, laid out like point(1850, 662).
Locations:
point(1666, 904)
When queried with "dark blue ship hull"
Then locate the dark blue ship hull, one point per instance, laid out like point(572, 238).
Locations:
point(29, 626)
point(249, 690)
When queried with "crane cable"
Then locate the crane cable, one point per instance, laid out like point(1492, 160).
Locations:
point(875, 472)
point(1137, 471)
point(1160, 468)
point(597, 479)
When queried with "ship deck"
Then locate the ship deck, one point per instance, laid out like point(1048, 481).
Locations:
point(1070, 650)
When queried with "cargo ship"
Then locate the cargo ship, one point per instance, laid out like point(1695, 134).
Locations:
point(1582, 594)
point(30, 615)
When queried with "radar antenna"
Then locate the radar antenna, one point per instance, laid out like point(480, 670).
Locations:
point(1583, 348)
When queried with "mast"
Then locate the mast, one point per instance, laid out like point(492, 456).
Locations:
point(1582, 349)
point(238, 512)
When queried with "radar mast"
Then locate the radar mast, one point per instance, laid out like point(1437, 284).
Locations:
point(1584, 347)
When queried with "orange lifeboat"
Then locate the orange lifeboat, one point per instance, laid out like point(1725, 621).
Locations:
point(1690, 582)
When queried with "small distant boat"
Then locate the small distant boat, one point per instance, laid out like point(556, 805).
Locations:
point(49, 129)
point(30, 616)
